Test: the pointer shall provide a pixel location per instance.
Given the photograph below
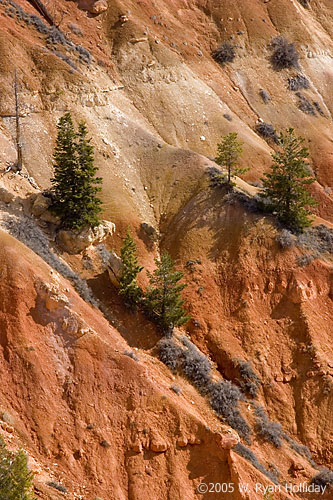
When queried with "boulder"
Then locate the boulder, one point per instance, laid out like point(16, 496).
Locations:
point(182, 442)
point(301, 291)
point(227, 441)
point(54, 298)
point(158, 446)
point(56, 301)
point(40, 205)
point(93, 6)
point(137, 446)
point(40, 208)
point(77, 241)
point(115, 269)
point(5, 195)
point(149, 230)
point(99, 7)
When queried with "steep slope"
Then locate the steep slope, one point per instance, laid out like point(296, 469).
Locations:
point(156, 104)
point(81, 407)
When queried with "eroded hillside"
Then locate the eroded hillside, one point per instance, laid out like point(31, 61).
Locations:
point(140, 73)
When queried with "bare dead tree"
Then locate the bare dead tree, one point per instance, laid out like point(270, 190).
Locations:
point(16, 166)
point(42, 9)
point(18, 129)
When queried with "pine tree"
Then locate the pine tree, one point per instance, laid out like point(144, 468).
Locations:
point(129, 289)
point(75, 193)
point(163, 301)
point(285, 186)
point(229, 150)
point(15, 476)
point(90, 203)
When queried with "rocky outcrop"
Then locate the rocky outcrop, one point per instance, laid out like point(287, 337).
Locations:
point(75, 242)
point(54, 298)
point(95, 7)
point(115, 268)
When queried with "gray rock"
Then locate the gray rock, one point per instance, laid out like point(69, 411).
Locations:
point(5, 195)
point(115, 269)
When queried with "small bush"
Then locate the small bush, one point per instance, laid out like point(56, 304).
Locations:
point(85, 55)
point(267, 131)
point(224, 53)
point(246, 453)
point(104, 254)
point(56, 36)
point(305, 260)
point(175, 388)
point(324, 478)
point(264, 96)
point(274, 471)
point(57, 486)
point(298, 82)
point(131, 354)
point(270, 431)
point(170, 353)
point(224, 398)
point(318, 108)
point(216, 177)
point(195, 366)
point(65, 58)
point(301, 449)
point(318, 238)
point(305, 105)
point(250, 381)
point(284, 54)
point(285, 239)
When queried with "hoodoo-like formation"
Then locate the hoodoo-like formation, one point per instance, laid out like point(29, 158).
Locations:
point(84, 390)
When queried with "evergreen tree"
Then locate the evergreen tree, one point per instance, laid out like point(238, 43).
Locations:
point(285, 186)
point(163, 301)
point(75, 192)
point(229, 150)
point(15, 476)
point(89, 201)
point(129, 288)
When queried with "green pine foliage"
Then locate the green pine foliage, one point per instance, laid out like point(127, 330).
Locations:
point(163, 302)
point(75, 185)
point(15, 476)
point(229, 150)
point(129, 289)
point(285, 185)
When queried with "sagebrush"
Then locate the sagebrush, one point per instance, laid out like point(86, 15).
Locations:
point(246, 453)
point(285, 239)
point(224, 53)
point(195, 366)
point(324, 478)
point(270, 431)
point(284, 54)
point(298, 82)
point(250, 382)
point(267, 131)
point(224, 399)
